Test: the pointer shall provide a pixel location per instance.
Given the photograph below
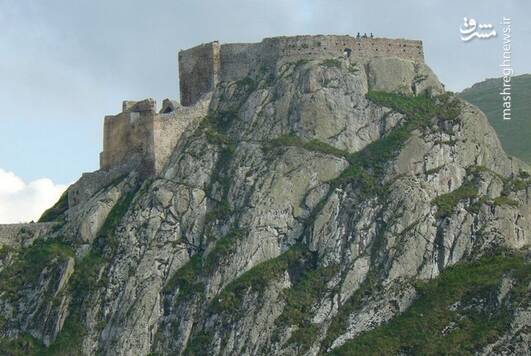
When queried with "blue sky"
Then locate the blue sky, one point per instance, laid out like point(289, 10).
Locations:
point(65, 64)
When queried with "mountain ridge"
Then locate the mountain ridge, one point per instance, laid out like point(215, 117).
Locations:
point(513, 133)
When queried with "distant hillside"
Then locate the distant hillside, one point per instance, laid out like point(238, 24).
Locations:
point(514, 134)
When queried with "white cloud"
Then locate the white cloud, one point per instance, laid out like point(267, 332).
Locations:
point(23, 202)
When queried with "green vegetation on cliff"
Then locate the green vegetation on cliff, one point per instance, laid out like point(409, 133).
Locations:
point(55, 213)
point(256, 280)
point(22, 274)
point(29, 263)
point(455, 314)
point(368, 165)
point(47, 256)
point(447, 203)
point(469, 191)
point(87, 277)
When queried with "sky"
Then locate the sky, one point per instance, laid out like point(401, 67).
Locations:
point(66, 64)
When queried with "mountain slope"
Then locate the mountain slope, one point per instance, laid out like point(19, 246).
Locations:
point(514, 133)
point(306, 209)
point(468, 306)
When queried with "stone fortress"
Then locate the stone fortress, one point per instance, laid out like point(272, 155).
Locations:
point(142, 137)
point(202, 67)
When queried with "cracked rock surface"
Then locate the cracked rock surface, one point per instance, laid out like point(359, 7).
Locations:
point(283, 224)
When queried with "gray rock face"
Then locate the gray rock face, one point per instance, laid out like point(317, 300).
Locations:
point(20, 235)
point(398, 75)
point(268, 219)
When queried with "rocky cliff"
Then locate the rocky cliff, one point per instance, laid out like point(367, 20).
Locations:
point(325, 206)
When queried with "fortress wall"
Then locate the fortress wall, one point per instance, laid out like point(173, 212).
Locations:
point(168, 129)
point(198, 71)
point(141, 138)
point(21, 235)
point(126, 135)
point(201, 67)
point(315, 47)
point(237, 60)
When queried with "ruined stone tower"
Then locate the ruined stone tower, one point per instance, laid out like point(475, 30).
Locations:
point(198, 71)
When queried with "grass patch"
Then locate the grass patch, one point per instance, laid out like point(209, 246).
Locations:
point(434, 170)
point(30, 262)
point(256, 279)
point(447, 203)
point(5, 252)
point(423, 328)
point(340, 322)
point(223, 247)
point(367, 167)
point(87, 277)
point(312, 145)
point(212, 127)
point(513, 185)
point(199, 345)
point(247, 83)
point(25, 344)
point(331, 63)
point(300, 300)
point(107, 235)
point(215, 130)
point(186, 280)
point(301, 297)
point(221, 211)
point(25, 272)
point(55, 213)
point(503, 200)
point(300, 63)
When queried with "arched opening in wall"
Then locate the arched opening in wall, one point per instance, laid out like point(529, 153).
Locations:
point(347, 52)
point(167, 110)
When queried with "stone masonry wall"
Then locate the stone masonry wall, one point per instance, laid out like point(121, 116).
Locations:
point(127, 136)
point(198, 71)
point(168, 128)
point(201, 67)
point(139, 138)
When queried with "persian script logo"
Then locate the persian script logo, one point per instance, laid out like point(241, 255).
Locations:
point(470, 29)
